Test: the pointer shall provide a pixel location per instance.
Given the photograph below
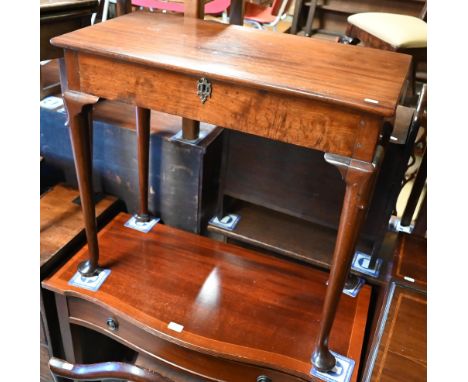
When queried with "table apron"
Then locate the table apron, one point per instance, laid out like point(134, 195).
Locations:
point(301, 121)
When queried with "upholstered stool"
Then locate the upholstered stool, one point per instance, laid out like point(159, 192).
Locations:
point(389, 31)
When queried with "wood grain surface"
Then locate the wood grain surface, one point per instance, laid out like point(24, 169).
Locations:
point(311, 123)
point(233, 303)
point(322, 70)
point(62, 220)
point(402, 350)
point(411, 261)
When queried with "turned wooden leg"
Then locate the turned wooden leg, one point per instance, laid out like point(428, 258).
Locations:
point(143, 137)
point(297, 16)
point(79, 107)
point(358, 176)
point(310, 18)
point(49, 89)
point(194, 9)
point(123, 7)
point(236, 12)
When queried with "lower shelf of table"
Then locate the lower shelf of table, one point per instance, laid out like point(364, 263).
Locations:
point(241, 312)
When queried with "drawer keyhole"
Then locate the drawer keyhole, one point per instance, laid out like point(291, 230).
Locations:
point(263, 378)
point(112, 324)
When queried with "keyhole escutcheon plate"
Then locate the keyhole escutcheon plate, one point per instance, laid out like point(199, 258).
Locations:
point(203, 89)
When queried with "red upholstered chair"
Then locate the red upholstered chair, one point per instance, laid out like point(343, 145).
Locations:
point(394, 32)
point(262, 17)
point(215, 7)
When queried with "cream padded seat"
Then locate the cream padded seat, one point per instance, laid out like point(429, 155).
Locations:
point(400, 31)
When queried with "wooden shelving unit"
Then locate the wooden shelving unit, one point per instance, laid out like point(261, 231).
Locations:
point(294, 238)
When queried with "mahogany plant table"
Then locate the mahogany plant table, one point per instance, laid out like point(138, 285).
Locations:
point(244, 314)
point(316, 94)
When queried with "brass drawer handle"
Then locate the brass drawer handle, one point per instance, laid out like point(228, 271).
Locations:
point(112, 324)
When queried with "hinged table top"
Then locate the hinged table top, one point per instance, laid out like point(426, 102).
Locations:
point(366, 79)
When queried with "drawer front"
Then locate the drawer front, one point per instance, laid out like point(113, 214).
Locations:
point(207, 366)
point(301, 121)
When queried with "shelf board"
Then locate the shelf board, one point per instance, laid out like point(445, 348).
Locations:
point(62, 226)
point(294, 238)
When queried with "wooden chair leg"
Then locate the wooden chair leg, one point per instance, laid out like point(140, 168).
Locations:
point(236, 12)
point(297, 16)
point(143, 117)
point(123, 7)
point(194, 9)
point(359, 177)
point(79, 107)
point(416, 192)
point(310, 18)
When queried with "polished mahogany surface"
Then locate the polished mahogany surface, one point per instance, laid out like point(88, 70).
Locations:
point(232, 302)
point(321, 70)
point(402, 350)
point(411, 261)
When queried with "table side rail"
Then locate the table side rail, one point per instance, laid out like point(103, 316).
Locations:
point(304, 122)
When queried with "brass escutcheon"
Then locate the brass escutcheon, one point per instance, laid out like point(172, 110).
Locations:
point(203, 89)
